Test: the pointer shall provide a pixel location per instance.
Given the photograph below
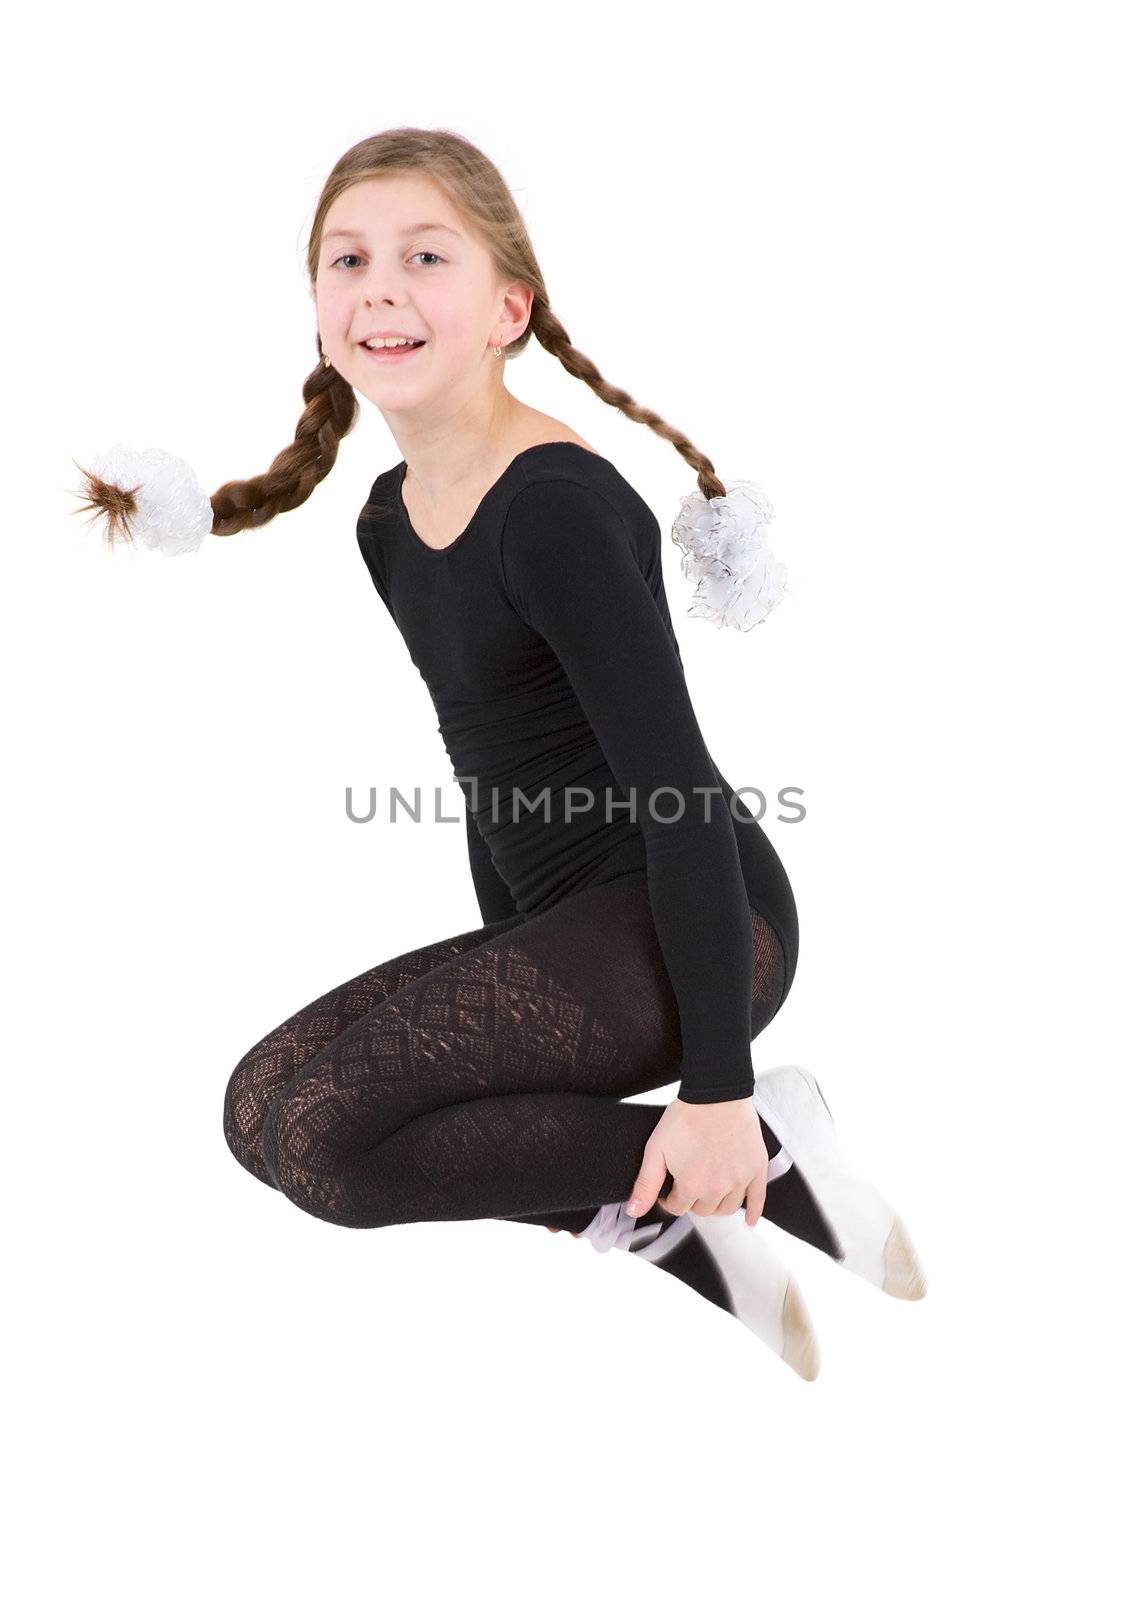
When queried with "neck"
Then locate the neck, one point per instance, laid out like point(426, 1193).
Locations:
point(471, 446)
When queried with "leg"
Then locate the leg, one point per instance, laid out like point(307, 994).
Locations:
point(267, 1068)
point(769, 988)
point(488, 1086)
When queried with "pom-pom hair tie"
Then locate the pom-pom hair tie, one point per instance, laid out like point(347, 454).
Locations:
point(152, 496)
point(728, 556)
point(155, 499)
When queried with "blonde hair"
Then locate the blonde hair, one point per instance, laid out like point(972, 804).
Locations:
point(482, 197)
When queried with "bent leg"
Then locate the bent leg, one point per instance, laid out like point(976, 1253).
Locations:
point(490, 1085)
point(268, 1066)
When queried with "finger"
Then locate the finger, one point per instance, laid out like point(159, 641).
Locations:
point(730, 1203)
point(718, 1205)
point(756, 1195)
point(649, 1182)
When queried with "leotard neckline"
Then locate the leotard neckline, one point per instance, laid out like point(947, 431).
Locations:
point(443, 550)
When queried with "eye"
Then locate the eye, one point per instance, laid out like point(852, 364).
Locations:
point(351, 257)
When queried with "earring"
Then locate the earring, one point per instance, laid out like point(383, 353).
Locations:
point(326, 362)
point(497, 351)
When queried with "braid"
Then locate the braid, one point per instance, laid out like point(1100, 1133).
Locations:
point(294, 474)
point(330, 412)
point(551, 334)
point(168, 509)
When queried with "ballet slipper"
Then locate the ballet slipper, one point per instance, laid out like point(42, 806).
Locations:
point(871, 1236)
point(762, 1290)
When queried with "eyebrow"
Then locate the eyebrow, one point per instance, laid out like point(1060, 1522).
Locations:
point(418, 227)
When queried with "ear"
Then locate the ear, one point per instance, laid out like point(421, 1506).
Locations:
point(517, 308)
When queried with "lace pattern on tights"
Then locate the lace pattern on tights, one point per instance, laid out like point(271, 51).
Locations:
point(460, 1080)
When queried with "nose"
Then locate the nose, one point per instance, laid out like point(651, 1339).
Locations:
point(375, 288)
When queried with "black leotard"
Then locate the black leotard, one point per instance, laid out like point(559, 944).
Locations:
point(543, 635)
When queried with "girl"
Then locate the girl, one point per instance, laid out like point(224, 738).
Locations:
point(628, 939)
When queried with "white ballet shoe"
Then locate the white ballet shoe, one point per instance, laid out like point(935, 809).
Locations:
point(762, 1290)
point(870, 1234)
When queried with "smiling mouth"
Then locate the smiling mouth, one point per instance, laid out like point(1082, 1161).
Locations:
point(393, 350)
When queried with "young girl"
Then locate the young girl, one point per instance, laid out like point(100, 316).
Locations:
point(638, 928)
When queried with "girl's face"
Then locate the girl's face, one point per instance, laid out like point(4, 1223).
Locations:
point(396, 256)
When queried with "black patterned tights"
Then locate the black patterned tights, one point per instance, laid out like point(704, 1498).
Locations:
point(481, 1076)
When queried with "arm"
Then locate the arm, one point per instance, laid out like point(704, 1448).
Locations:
point(493, 895)
point(571, 573)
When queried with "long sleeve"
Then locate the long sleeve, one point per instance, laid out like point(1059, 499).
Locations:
point(493, 895)
point(573, 575)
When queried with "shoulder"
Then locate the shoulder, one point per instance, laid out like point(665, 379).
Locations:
point(560, 480)
point(573, 536)
point(566, 491)
point(558, 508)
point(381, 501)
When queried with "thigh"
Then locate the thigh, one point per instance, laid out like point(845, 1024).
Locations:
point(601, 945)
point(769, 891)
point(269, 1065)
point(622, 965)
point(312, 1027)
point(570, 999)
point(575, 999)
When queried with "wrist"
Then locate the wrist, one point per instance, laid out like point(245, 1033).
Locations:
point(726, 1095)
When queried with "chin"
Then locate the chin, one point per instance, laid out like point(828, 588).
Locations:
point(392, 404)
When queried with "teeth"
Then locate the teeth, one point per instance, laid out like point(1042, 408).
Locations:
point(388, 344)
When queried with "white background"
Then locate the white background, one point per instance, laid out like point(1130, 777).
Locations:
point(883, 259)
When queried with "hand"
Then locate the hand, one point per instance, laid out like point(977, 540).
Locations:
point(716, 1156)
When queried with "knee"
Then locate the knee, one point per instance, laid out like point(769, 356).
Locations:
point(271, 1142)
point(305, 1160)
point(242, 1120)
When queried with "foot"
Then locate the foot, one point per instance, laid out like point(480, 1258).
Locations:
point(763, 1290)
point(736, 1268)
point(872, 1239)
